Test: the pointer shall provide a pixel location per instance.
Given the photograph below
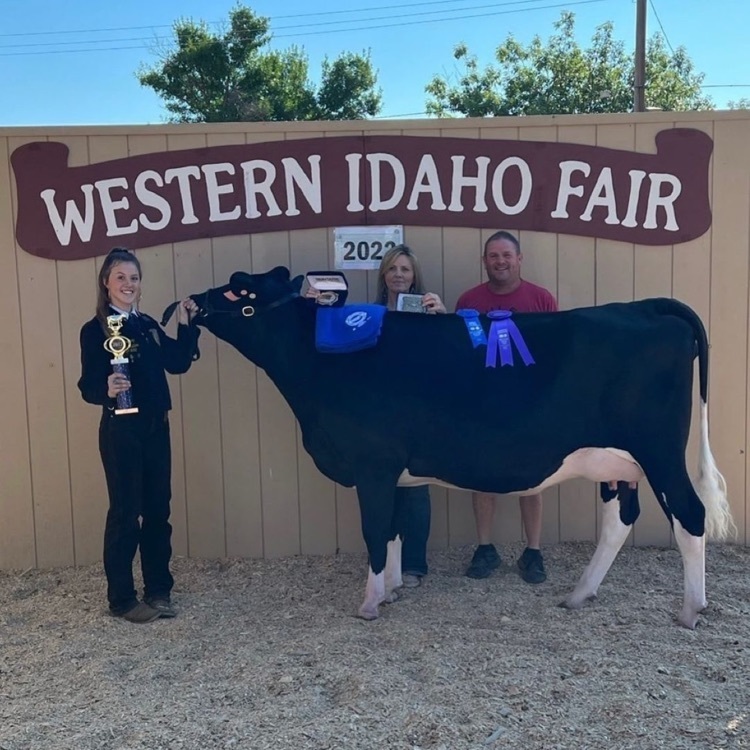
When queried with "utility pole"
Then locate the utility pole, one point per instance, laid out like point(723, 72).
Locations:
point(639, 90)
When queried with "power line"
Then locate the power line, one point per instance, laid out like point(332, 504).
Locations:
point(658, 20)
point(216, 23)
point(283, 28)
point(330, 31)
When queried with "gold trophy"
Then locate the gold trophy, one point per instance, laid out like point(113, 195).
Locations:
point(118, 345)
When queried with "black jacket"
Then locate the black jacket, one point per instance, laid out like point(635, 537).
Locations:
point(152, 353)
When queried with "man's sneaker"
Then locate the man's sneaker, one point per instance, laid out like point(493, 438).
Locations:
point(162, 605)
point(411, 580)
point(485, 560)
point(531, 565)
point(140, 614)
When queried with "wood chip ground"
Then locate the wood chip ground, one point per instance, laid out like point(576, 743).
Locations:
point(267, 655)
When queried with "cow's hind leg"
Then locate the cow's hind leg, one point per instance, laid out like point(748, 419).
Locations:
point(621, 509)
point(679, 500)
point(393, 570)
point(693, 551)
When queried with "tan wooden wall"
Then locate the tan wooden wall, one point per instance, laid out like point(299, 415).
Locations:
point(243, 485)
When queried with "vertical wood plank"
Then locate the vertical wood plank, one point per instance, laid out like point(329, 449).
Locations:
point(652, 278)
point(78, 288)
point(577, 288)
point(159, 291)
point(17, 540)
point(199, 400)
point(691, 271)
point(539, 266)
point(729, 309)
point(45, 394)
point(462, 270)
point(427, 243)
point(615, 261)
point(240, 439)
point(507, 526)
point(278, 432)
point(462, 263)
point(348, 521)
point(317, 494)
point(200, 408)
point(238, 407)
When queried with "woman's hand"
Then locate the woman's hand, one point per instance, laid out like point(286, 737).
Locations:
point(432, 303)
point(312, 293)
point(117, 383)
point(186, 311)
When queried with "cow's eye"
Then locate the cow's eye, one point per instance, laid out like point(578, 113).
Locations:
point(253, 295)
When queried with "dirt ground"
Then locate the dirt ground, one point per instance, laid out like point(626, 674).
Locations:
point(268, 654)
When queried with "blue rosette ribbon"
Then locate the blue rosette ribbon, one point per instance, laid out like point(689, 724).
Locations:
point(503, 333)
point(473, 326)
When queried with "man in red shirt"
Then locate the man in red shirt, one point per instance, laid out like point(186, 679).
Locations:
point(506, 290)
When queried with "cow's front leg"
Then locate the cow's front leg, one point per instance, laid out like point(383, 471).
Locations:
point(618, 518)
point(382, 588)
point(376, 494)
point(693, 551)
point(374, 595)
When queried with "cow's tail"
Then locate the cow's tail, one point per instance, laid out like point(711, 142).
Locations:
point(712, 487)
point(710, 484)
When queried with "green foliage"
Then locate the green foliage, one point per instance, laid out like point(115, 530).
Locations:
point(234, 77)
point(560, 77)
point(743, 103)
point(348, 89)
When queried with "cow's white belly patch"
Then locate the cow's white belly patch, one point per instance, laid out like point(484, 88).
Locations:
point(596, 464)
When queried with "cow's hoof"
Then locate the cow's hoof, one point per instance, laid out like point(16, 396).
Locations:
point(368, 612)
point(393, 596)
point(688, 619)
point(576, 602)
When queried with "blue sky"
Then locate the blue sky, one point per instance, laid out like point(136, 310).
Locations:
point(47, 78)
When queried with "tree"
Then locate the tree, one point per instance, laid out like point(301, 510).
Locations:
point(743, 103)
point(559, 77)
point(233, 76)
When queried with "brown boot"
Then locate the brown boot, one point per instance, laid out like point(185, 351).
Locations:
point(141, 614)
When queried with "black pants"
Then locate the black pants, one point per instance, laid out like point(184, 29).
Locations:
point(137, 458)
point(413, 523)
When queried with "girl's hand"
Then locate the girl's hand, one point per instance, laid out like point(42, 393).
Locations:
point(186, 311)
point(117, 383)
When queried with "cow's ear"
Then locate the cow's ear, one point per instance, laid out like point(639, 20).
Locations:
point(238, 281)
point(280, 272)
point(297, 283)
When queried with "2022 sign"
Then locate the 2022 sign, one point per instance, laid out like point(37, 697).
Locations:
point(362, 248)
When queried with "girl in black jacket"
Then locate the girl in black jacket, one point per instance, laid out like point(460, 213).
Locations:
point(135, 447)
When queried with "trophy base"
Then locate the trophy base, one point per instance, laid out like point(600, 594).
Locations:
point(131, 410)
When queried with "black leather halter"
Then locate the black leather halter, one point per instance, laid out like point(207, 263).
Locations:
point(246, 311)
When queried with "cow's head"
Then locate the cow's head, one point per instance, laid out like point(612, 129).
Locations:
point(227, 309)
point(248, 294)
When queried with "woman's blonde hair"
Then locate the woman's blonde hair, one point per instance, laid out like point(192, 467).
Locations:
point(417, 285)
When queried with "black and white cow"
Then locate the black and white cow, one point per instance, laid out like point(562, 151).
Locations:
point(609, 398)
